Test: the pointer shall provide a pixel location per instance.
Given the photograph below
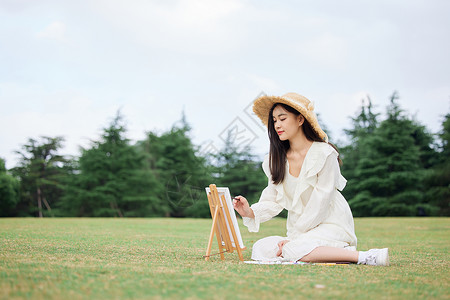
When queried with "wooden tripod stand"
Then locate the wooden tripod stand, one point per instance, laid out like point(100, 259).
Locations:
point(224, 224)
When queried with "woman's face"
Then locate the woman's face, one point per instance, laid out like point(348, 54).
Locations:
point(287, 124)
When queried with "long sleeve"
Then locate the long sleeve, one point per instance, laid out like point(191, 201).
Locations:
point(318, 207)
point(264, 210)
point(267, 206)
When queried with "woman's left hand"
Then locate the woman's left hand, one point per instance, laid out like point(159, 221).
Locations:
point(280, 246)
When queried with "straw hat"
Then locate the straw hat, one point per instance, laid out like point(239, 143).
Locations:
point(263, 104)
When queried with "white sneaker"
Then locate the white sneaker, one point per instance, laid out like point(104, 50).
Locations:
point(374, 257)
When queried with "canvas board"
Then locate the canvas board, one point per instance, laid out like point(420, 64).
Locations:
point(226, 193)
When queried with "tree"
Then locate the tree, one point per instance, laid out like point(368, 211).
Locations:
point(239, 170)
point(111, 180)
point(364, 124)
point(438, 178)
point(40, 171)
point(9, 192)
point(391, 168)
point(172, 157)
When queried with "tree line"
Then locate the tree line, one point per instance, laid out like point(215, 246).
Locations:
point(394, 167)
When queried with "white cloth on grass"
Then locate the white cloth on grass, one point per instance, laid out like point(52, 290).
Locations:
point(318, 214)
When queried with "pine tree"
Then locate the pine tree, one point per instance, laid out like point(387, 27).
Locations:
point(391, 169)
point(40, 172)
point(172, 157)
point(239, 170)
point(112, 181)
point(364, 124)
point(438, 178)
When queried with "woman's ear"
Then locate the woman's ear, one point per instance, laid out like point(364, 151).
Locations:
point(301, 120)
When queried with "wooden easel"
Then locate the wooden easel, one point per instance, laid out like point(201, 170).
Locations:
point(220, 211)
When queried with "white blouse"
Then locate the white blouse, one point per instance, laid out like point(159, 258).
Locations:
point(318, 214)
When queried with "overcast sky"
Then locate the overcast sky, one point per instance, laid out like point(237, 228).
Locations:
point(67, 67)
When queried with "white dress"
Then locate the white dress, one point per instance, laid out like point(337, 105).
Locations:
point(318, 215)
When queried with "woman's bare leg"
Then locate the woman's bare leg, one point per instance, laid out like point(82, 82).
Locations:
point(331, 254)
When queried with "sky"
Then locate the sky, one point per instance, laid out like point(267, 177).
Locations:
point(67, 67)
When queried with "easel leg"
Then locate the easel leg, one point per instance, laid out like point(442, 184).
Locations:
point(233, 231)
point(211, 235)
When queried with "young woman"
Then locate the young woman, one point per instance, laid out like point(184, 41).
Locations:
point(304, 178)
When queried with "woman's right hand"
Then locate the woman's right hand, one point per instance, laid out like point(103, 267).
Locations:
point(280, 247)
point(241, 205)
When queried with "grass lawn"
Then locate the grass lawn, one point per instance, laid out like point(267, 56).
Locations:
point(162, 258)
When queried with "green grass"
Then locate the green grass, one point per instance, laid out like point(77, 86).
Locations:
point(162, 258)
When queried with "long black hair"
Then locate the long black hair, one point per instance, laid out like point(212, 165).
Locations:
point(279, 148)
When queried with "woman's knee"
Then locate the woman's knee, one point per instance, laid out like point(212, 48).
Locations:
point(266, 248)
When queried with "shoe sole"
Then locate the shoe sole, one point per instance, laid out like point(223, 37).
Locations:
point(384, 258)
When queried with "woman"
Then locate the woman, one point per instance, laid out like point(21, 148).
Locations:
point(304, 178)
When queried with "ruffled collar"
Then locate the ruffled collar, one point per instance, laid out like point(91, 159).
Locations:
point(313, 163)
